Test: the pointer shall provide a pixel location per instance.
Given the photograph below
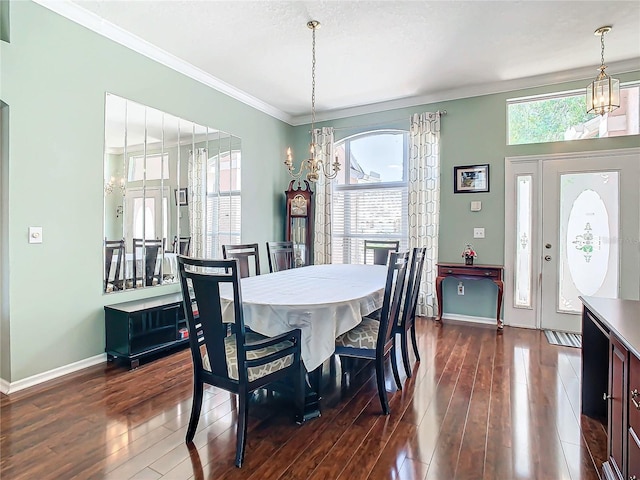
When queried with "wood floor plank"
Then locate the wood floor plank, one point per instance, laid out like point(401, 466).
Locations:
point(480, 404)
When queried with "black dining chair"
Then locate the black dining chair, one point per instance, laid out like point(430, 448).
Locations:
point(373, 339)
point(248, 256)
point(407, 321)
point(280, 255)
point(181, 245)
point(378, 250)
point(147, 251)
point(114, 264)
point(241, 362)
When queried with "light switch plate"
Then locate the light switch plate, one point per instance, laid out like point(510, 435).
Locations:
point(476, 206)
point(35, 234)
point(478, 232)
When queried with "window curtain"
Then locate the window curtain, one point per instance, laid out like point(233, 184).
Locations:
point(424, 201)
point(197, 177)
point(323, 139)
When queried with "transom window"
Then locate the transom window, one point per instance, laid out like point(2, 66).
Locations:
point(156, 167)
point(370, 197)
point(563, 116)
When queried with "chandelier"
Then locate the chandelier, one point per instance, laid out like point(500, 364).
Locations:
point(603, 94)
point(112, 183)
point(313, 166)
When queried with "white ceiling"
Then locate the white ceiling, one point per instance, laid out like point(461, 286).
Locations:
point(399, 53)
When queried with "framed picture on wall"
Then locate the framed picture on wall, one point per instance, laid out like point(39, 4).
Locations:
point(181, 197)
point(471, 179)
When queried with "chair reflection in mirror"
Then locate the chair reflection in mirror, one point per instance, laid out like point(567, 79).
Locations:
point(145, 259)
point(114, 264)
point(281, 256)
point(181, 245)
point(248, 257)
point(378, 250)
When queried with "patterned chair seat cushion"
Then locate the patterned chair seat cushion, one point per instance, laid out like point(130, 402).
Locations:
point(363, 336)
point(253, 373)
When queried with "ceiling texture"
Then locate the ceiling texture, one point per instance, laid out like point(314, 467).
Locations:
point(371, 55)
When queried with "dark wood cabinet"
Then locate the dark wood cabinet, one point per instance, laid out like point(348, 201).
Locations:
point(618, 367)
point(144, 327)
point(633, 435)
point(611, 337)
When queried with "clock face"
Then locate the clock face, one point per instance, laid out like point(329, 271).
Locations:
point(299, 206)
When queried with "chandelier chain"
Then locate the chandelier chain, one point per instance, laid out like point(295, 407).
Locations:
point(602, 50)
point(313, 79)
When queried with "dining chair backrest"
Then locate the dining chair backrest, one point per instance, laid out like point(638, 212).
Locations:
point(280, 255)
point(113, 265)
point(181, 245)
point(412, 287)
point(201, 281)
point(248, 256)
point(145, 258)
point(377, 251)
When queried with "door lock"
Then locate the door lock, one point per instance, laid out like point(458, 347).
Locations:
point(547, 258)
point(547, 245)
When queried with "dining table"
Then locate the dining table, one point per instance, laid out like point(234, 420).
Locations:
point(323, 301)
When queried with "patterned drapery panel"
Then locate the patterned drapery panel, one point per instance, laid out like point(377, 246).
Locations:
point(197, 177)
point(424, 201)
point(323, 138)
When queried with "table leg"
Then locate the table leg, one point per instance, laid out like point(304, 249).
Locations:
point(500, 286)
point(312, 395)
point(439, 297)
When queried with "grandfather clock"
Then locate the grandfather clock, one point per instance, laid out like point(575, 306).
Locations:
point(299, 221)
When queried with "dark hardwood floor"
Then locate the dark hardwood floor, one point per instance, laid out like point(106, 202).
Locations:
point(481, 405)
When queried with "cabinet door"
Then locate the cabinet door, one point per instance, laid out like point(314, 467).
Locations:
point(634, 418)
point(618, 365)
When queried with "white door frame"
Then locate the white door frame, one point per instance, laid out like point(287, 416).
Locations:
point(532, 165)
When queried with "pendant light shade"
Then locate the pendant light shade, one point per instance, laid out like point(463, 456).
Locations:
point(603, 94)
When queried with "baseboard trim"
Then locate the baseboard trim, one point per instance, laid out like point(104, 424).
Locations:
point(468, 318)
point(11, 387)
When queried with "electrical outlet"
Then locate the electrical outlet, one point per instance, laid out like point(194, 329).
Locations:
point(460, 288)
point(478, 232)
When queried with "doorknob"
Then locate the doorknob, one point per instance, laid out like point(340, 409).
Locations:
point(547, 245)
point(547, 258)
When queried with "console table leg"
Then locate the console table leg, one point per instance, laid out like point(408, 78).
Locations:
point(500, 286)
point(439, 297)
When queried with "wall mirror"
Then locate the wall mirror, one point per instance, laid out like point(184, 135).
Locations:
point(159, 172)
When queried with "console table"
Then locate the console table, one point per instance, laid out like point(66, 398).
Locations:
point(470, 272)
point(144, 327)
point(611, 379)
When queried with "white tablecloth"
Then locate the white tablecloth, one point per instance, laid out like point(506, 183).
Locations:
point(169, 265)
point(323, 301)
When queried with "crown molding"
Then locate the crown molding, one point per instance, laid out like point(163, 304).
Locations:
point(502, 86)
point(93, 22)
point(102, 27)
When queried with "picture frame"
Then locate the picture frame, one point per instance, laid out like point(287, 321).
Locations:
point(471, 178)
point(182, 198)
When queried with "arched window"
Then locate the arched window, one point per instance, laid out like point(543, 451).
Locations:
point(370, 198)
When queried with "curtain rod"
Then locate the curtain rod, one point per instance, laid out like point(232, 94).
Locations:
point(440, 113)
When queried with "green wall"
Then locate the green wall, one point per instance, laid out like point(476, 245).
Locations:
point(474, 131)
point(54, 75)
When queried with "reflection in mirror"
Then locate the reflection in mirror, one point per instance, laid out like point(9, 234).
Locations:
point(170, 186)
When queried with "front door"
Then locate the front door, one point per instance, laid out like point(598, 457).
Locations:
point(584, 234)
